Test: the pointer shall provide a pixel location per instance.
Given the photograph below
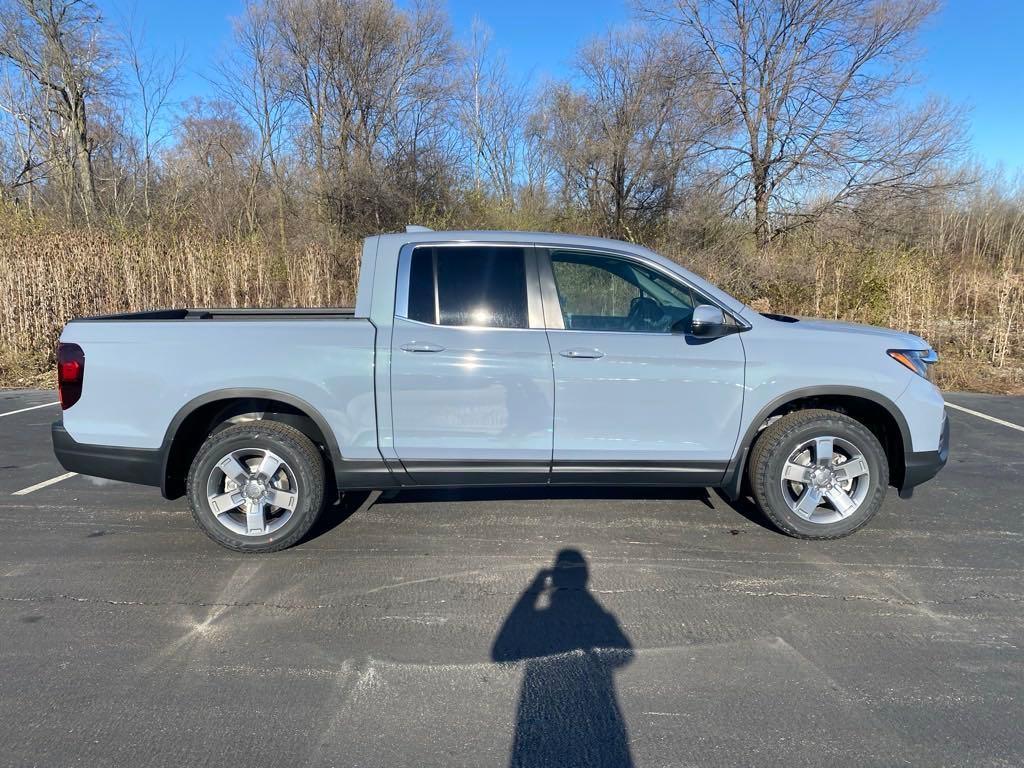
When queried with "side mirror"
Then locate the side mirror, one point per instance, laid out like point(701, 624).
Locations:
point(707, 321)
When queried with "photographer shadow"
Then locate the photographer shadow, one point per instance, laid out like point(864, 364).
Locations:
point(568, 712)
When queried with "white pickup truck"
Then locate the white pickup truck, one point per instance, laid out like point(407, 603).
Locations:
point(499, 358)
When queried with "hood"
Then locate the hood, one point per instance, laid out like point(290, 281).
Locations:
point(894, 339)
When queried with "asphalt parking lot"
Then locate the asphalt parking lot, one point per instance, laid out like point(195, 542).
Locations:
point(418, 630)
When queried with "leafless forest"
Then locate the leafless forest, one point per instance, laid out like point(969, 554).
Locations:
point(782, 148)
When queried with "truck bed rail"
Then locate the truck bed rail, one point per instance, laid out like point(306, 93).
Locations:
point(292, 313)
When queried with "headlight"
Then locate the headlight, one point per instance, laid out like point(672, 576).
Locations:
point(920, 361)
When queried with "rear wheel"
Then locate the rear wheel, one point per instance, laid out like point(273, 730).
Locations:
point(256, 486)
point(818, 474)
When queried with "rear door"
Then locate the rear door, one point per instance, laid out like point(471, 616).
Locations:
point(472, 388)
point(637, 398)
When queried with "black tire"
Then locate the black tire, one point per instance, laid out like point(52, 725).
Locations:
point(778, 442)
point(291, 445)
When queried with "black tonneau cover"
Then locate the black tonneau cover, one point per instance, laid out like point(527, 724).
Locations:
point(227, 314)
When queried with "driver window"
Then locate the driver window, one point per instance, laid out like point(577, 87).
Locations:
point(605, 293)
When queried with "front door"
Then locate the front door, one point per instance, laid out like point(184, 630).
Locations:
point(471, 381)
point(637, 398)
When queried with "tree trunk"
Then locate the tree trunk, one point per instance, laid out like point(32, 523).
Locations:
point(147, 175)
point(281, 211)
point(618, 194)
point(762, 229)
point(83, 157)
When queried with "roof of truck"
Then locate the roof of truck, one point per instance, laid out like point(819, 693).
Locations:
point(423, 235)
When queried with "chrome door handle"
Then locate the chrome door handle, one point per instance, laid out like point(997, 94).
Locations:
point(422, 346)
point(582, 352)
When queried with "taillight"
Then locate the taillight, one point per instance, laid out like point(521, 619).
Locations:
point(70, 373)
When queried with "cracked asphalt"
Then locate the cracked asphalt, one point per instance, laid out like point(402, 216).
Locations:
point(426, 629)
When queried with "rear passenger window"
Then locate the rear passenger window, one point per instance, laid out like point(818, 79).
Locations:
point(475, 285)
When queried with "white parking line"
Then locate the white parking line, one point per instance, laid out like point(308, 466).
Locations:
point(43, 484)
point(33, 408)
point(985, 416)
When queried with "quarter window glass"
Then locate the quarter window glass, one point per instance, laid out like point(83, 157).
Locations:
point(605, 293)
point(471, 286)
point(421, 287)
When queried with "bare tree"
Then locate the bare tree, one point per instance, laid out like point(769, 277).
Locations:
point(304, 32)
point(115, 157)
point(418, 146)
point(621, 138)
point(372, 80)
point(154, 76)
point(211, 164)
point(25, 164)
point(494, 113)
point(252, 78)
point(814, 91)
point(59, 45)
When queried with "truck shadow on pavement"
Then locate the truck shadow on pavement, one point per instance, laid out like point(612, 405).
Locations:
point(568, 712)
point(349, 504)
point(354, 502)
point(743, 507)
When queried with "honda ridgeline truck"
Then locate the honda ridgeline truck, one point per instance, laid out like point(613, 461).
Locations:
point(499, 358)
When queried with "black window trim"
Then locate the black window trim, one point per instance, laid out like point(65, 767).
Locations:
point(553, 307)
point(534, 301)
point(437, 293)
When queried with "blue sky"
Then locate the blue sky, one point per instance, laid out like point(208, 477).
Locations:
point(974, 53)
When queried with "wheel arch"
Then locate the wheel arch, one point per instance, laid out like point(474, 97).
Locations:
point(194, 421)
point(877, 412)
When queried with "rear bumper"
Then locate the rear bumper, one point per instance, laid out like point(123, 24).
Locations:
point(130, 465)
point(921, 466)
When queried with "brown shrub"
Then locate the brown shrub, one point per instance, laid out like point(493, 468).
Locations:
point(969, 308)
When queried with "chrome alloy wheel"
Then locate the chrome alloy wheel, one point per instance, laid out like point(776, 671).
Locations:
point(252, 492)
point(825, 480)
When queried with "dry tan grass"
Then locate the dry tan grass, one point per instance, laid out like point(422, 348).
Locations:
point(52, 277)
point(973, 316)
point(970, 306)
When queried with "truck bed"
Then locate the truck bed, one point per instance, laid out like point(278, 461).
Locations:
point(142, 368)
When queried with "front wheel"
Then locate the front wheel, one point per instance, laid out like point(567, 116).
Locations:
point(818, 474)
point(256, 486)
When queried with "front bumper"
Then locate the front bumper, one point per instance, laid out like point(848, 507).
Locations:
point(130, 465)
point(921, 466)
